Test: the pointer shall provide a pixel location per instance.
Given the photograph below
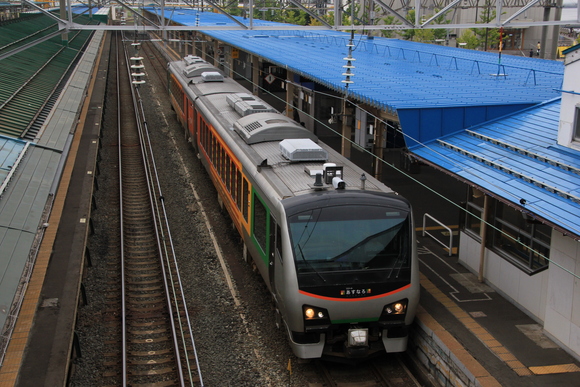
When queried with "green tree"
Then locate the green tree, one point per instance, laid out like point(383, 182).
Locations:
point(440, 33)
point(297, 17)
point(487, 36)
point(470, 39)
point(410, 33)
point(389, 20)
point(425, 35)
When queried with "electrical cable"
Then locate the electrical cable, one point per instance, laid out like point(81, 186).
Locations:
point(378, 159)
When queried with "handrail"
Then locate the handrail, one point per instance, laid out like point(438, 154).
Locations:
point(432, 236)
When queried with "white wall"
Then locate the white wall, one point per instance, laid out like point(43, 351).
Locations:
point(569, 101)
point(529, 293)
point(551, 296)
point(563, 306)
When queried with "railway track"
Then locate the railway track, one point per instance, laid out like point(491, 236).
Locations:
point(151, 341)
point(385, 371)
point(157, 61)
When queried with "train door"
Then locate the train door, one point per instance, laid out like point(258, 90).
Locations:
point(276, 269)
point(272, 254)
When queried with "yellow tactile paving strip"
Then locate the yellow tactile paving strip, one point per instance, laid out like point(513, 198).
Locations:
point(488, 340)
point(19, 339)
point(555, 369)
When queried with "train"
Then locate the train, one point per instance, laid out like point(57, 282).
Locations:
point(335, 247)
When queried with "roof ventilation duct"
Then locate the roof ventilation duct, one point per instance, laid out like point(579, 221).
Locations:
point(191, 59)
point(302, 149)
point(245, 104)
point(212, 76)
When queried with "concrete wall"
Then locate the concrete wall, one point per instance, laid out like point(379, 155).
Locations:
point(440, 359)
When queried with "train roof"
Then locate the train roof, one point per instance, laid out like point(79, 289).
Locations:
point(268, 139)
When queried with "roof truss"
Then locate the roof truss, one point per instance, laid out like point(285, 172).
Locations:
point(508, 10)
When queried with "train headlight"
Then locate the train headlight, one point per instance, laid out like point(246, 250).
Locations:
point(315, 317)
point(394, 311)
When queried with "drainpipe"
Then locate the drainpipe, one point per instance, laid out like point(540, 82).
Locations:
point(483, 229)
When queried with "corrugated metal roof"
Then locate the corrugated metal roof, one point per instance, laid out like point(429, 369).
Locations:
point(19, 32)
point(394, 74)
point(518, 159)
point(30, 77)
point(437, 92)
point(23, 202)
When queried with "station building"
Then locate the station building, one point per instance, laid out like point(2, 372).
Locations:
point(506, 127)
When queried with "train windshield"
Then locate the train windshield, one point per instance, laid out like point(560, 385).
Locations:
point(330, 240)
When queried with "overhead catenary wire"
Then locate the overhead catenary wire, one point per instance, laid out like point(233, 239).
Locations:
point(378, 159)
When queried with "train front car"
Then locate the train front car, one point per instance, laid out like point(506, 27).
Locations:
point(335, 247)
point(356, 273)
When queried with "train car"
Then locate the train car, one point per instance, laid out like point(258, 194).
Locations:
point(335, 247)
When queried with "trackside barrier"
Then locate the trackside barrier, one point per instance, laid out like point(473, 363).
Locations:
point(425, 216)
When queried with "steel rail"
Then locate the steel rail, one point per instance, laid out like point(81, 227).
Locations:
point(122, 244)
point(137, 166)
point(176, 305)
point(147, 163)
point(170, 256)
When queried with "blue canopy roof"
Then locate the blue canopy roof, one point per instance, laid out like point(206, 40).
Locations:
point(392, 74)
point(516, 158)
point(438, 92)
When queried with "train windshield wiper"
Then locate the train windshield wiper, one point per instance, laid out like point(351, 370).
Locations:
point(309, 264)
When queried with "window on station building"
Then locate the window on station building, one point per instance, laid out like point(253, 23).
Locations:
point(577, 124)
point(474, 211)
point(520, 238)
point(512, 234)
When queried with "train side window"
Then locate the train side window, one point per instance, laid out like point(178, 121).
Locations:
point(216, 156)
point(205, 134)
point(194, 118)
point(201, 132)
point(208, 147)
point(245, 197)
point(222, 162)
point(178, 93)
point(228, 173)
point(239, 189)
point(212, 148)
point(260, 222)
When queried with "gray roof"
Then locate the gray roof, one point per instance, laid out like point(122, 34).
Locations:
point(25, 203)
